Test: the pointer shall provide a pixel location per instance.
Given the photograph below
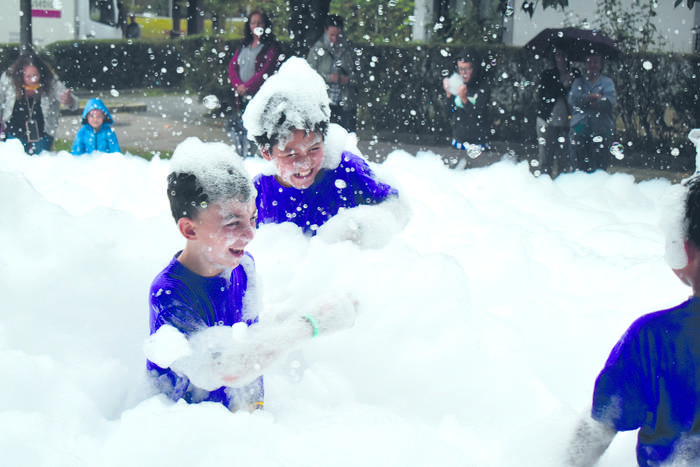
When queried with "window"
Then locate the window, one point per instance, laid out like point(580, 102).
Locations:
point(103, 11)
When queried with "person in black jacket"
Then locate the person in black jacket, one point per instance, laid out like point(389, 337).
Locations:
point(553, 116)
point(467, 99)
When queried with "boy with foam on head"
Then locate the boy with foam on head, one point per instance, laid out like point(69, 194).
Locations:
point(651, 380)
point(206, 343)
point(96, 132)
point(314, 183)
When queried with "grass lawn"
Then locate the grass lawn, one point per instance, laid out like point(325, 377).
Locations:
point(161, 27)
point(65, 145)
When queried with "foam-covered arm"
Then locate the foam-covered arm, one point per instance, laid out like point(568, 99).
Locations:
point(369, 226)
point(590, 441)
point(234, 356)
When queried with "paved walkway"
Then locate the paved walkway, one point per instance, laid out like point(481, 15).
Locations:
point(159, 123)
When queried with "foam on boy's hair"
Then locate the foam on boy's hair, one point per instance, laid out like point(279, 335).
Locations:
point(293, 98)
point(204, 173)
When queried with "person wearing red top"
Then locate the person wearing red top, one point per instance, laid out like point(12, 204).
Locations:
point(253, 62)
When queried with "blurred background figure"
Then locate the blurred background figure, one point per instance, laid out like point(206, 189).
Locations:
point(333, 58)
point(467, 99)
point(254, 62)
point(592, 99)
point(133, 29)
point(553, 115)
point(30, 103)
point(95, 133)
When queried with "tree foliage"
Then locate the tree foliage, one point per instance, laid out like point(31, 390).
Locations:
point(630, 24)
point(376, 21)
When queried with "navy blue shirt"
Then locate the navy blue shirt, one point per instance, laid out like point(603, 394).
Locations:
point(651, 382)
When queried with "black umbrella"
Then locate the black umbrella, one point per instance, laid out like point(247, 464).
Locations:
point(578, 43)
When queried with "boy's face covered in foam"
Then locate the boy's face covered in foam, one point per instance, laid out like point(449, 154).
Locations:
point(299, 159)
point(224, 229)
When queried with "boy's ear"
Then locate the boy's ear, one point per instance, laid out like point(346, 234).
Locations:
point(266, 154)
point(187, 227)
point(690, 273)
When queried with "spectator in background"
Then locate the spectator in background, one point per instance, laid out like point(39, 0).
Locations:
point(254, 62)
point(333, 58)
point(96, 132)
point(553, 115)
point(467, 99)
point(121, 16)
point(133, 29)
point(592, 99)
point(30, 103)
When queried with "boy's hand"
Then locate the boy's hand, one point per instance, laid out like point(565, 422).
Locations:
point(228, 356)
point(335, 314)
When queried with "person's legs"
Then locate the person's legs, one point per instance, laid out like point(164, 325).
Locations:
point(600, 153)
point(559, 152)
point(542, 159)
point(238, 134)
point(44, 144)
point(576, 151)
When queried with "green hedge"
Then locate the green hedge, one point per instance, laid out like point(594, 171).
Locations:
point(104, 64)
point(402, 93)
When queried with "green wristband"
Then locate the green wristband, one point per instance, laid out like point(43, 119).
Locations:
point(313, 324)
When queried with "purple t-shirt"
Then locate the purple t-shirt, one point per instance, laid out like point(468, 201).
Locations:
point(349, 185)
point(190, 302)
point(651, 382)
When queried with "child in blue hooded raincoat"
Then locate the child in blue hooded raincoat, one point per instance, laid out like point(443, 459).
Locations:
point(96, 132)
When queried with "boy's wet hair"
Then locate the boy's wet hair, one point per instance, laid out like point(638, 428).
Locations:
point(284, 126)
point(692, 211)
point(186, 195)
point(294, 98)
point(203, 174)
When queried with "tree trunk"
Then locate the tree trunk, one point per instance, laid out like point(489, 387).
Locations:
point(25, 26)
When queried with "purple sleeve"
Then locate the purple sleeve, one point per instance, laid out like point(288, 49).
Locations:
point(172, 303)
point(366, 188)
point(620, 397)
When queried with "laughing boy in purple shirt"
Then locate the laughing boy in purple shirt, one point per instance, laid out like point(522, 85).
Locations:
point(320, 188)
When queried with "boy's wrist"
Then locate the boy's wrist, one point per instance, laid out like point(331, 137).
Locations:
point(312, 322)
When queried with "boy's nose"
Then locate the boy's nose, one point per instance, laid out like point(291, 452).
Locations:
point(249, 232)
point(302, 160)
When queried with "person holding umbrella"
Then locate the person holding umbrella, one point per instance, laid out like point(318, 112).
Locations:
point(592, 99)
point(553, 114)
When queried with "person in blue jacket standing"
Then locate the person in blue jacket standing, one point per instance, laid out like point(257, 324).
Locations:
point(96, 132)
point(592, 99)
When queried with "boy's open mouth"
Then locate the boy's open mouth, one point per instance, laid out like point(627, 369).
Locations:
point(303, 174)
point(236, 252)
